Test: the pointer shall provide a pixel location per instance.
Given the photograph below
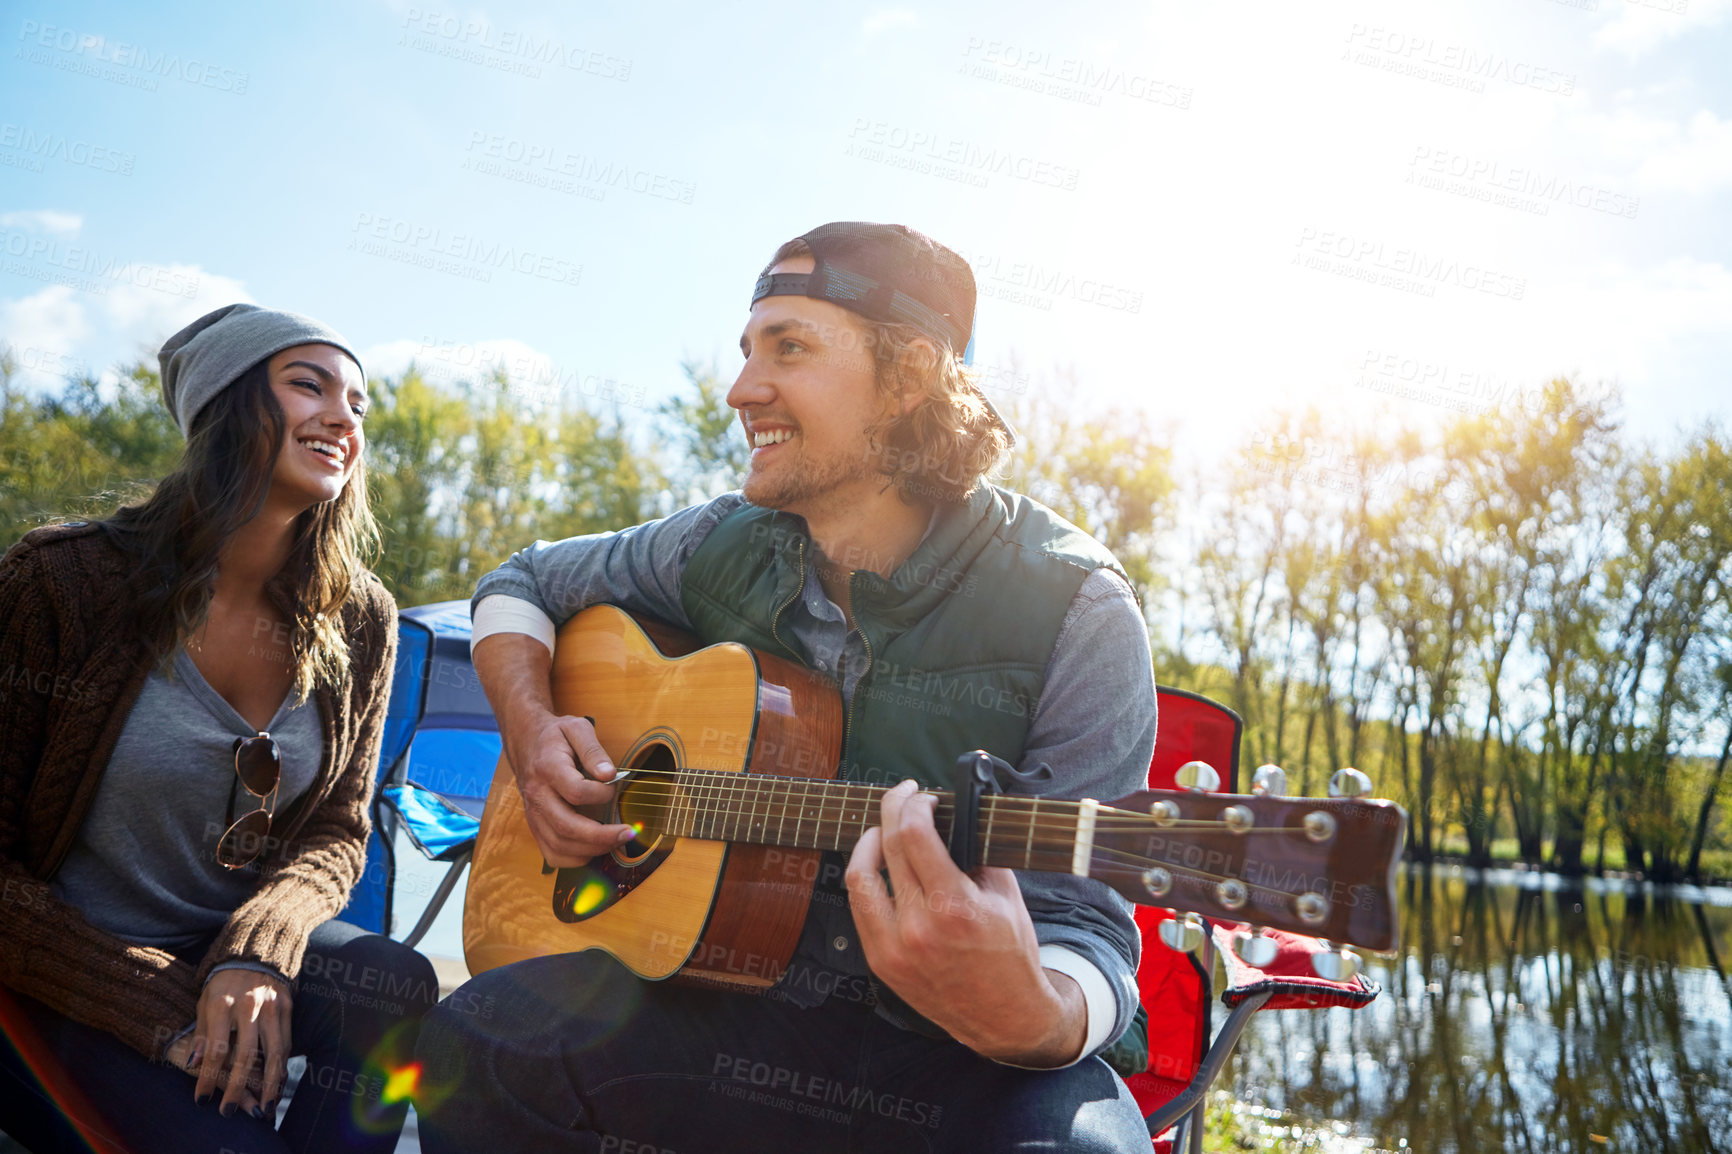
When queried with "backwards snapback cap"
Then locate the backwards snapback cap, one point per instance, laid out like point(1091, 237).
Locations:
point(892, 274)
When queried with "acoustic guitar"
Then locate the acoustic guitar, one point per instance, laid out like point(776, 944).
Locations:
point(728, 758)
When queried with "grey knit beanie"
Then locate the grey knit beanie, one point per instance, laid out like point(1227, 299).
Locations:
point(208, 355)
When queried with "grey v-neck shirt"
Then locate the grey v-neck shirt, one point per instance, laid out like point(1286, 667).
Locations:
point(144, 865)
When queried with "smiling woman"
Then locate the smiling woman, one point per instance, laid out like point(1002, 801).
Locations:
point(197, 811)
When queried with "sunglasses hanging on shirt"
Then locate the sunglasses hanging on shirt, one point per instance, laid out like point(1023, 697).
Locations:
point(258, 767)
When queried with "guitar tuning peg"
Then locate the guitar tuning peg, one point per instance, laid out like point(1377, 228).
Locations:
point(1198, 777)
point(1184, 933)
point(1335, 965)
point(1349, 782)
point(1255, 949)
point(1269, 781)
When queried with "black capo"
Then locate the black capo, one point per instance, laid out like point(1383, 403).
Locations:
point(975, 773)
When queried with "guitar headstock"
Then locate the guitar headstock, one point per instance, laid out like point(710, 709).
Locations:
point(1320, 867)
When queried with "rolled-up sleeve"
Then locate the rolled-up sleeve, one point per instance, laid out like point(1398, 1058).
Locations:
point(1095, 726)
point(637, 569)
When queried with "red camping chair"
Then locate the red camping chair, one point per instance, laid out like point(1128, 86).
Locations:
point(1175, 987)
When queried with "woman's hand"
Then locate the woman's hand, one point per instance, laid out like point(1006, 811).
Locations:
point(243, 1018)
point(184, 1058)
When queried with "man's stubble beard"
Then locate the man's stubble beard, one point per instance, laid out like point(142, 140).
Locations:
point(806, 481)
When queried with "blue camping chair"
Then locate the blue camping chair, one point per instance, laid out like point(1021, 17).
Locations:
point(436, 762)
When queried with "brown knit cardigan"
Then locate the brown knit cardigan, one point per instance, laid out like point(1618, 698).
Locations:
point(71, 666)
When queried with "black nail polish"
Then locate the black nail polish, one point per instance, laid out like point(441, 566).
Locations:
point(258, 1113)
point(201, 1099)
point(228, 1109)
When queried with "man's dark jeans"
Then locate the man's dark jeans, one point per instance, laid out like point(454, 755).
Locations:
point(573, 1053)
point(357, 1006)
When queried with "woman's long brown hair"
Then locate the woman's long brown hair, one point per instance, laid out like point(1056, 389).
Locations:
point(177, 535)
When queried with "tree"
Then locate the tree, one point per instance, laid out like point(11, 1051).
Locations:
point(80, 452)
point(707, 432)
point(1110, 474)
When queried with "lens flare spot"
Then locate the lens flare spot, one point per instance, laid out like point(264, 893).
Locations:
point(401, 1084)
point(590, 897)
point(637, 829)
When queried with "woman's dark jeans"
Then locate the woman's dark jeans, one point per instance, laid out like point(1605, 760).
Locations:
point(357, 1010)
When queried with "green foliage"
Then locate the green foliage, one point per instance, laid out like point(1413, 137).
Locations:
point(1109, 474)
point(1519, 624)
point(80, 453)
point(1532, 612)
point(707, 432)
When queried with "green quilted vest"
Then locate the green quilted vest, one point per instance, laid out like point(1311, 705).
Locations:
point(959, 636)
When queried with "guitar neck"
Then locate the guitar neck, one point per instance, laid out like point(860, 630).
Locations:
point(816, 813)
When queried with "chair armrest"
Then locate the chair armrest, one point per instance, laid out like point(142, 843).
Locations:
point(1289, 980)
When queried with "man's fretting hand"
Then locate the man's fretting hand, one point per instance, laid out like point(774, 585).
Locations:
point(959, 949)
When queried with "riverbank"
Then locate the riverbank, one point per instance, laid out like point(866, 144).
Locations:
point(1618, 877)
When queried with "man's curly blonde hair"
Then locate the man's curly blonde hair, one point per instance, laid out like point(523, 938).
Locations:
point(949, 441)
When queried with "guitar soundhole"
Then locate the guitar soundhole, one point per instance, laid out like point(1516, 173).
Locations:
point(582, 892)
point(644, 802)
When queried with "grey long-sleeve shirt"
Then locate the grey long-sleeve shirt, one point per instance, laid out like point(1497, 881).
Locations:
point(1094, 724)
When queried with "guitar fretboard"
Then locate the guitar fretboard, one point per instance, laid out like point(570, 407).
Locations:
point(816, 813)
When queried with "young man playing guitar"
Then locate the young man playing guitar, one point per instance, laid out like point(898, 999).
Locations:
point(943, 1011)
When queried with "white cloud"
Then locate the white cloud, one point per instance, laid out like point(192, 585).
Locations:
point(47, 220)
point(1697, 159)
point(534, 376)
point(459, 360)
point(43, 333)
point(154, 314)
point(1643, 25)
point(1663, 155)
point(60, 332)
point(884, 19)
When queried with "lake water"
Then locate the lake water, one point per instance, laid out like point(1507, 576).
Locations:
point(1523, 1013)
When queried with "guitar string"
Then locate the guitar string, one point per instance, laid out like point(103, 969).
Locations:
point(1061, 839)
point(711, 780)
point(688, 786)
point(1127, 859)
point(761, 791)
point(1059, 824)
point(1062, 827)
point(737, 781)
point(779, 811)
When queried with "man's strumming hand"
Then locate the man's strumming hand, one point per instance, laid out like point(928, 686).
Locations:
point(558, 762)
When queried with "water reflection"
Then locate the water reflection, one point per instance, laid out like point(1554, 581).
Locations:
point(1522, 1015)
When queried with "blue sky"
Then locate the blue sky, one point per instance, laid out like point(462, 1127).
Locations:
point(1204, 210)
